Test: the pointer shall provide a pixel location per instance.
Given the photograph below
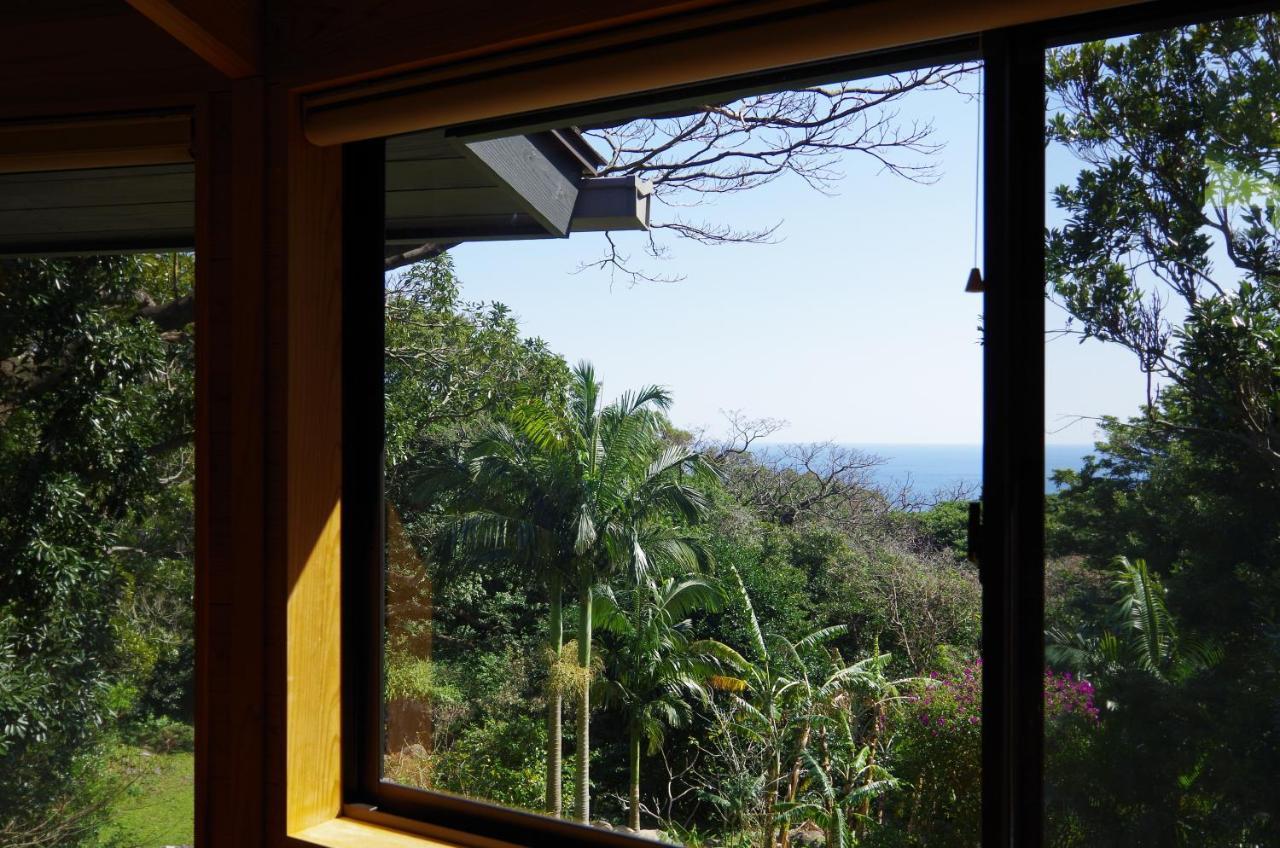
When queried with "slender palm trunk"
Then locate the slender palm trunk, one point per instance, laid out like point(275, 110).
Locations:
point(633, 812)
point(582, 805)
point(554, 730)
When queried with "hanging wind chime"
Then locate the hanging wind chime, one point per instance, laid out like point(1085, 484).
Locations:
point(975, 282)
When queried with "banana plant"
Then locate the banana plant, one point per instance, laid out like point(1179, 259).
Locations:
point(846, 712)
point(840, 794)
point(773, 709)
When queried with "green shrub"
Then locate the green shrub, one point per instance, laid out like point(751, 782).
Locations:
point(161, 735)
point(500, 759)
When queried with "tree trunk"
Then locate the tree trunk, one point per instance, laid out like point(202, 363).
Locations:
point(633, 813)
point(865, 812)
point(554, 708)
point(793, 785)
point(770, 800)
point(582, 806)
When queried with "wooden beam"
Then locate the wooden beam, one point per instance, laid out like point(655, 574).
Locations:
point(543, 187)
point(225, 33)
point(304, 224)
point(612, 203)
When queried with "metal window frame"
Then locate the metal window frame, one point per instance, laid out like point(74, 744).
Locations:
point(1011, 550)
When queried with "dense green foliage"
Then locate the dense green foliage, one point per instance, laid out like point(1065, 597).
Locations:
point(1169, 248)
point(95, 525)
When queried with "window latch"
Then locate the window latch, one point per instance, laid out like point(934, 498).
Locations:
point(973, 551)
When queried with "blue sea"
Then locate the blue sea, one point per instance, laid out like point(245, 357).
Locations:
point(930, 468)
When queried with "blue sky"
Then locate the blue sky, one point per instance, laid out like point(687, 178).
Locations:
point(854, 328)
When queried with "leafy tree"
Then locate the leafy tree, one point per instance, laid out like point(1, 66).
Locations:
point(1169, 247)
point(95, 406)
point(450, 362)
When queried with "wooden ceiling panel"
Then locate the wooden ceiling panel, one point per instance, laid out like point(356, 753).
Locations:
point(97, 58)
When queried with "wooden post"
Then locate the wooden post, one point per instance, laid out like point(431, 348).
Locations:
point(304, 460)
point(231, 561)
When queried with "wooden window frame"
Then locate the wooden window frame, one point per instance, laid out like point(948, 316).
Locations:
point(366, 796)
point(343, 803)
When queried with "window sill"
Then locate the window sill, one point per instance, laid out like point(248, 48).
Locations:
point(363, 827)
point(350, 833)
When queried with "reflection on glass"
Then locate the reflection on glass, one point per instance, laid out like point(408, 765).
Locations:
point(608, 600)
point(1162, 585)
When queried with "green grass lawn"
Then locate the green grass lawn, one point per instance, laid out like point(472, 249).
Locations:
point(158, 807)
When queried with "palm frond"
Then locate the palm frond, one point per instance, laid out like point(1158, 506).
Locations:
point(693, 594)
point(607, 614)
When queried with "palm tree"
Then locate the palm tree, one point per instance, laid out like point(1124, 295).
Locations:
point(631, 486)
point(576, 493)
point(515, 501)
point(657, 669)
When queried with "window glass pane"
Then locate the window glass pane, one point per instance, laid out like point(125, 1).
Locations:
point(620, 586)
point(96, 550)
point(1162, 586)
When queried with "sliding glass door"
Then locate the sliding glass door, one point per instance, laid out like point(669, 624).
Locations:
point(1162, 687)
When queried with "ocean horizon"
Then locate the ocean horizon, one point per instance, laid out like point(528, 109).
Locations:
point(932, 467)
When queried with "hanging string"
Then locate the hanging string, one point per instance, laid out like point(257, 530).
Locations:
point(977, 165)
point(975, 282)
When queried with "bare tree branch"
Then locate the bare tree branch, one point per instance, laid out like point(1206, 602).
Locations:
point(696, 155)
